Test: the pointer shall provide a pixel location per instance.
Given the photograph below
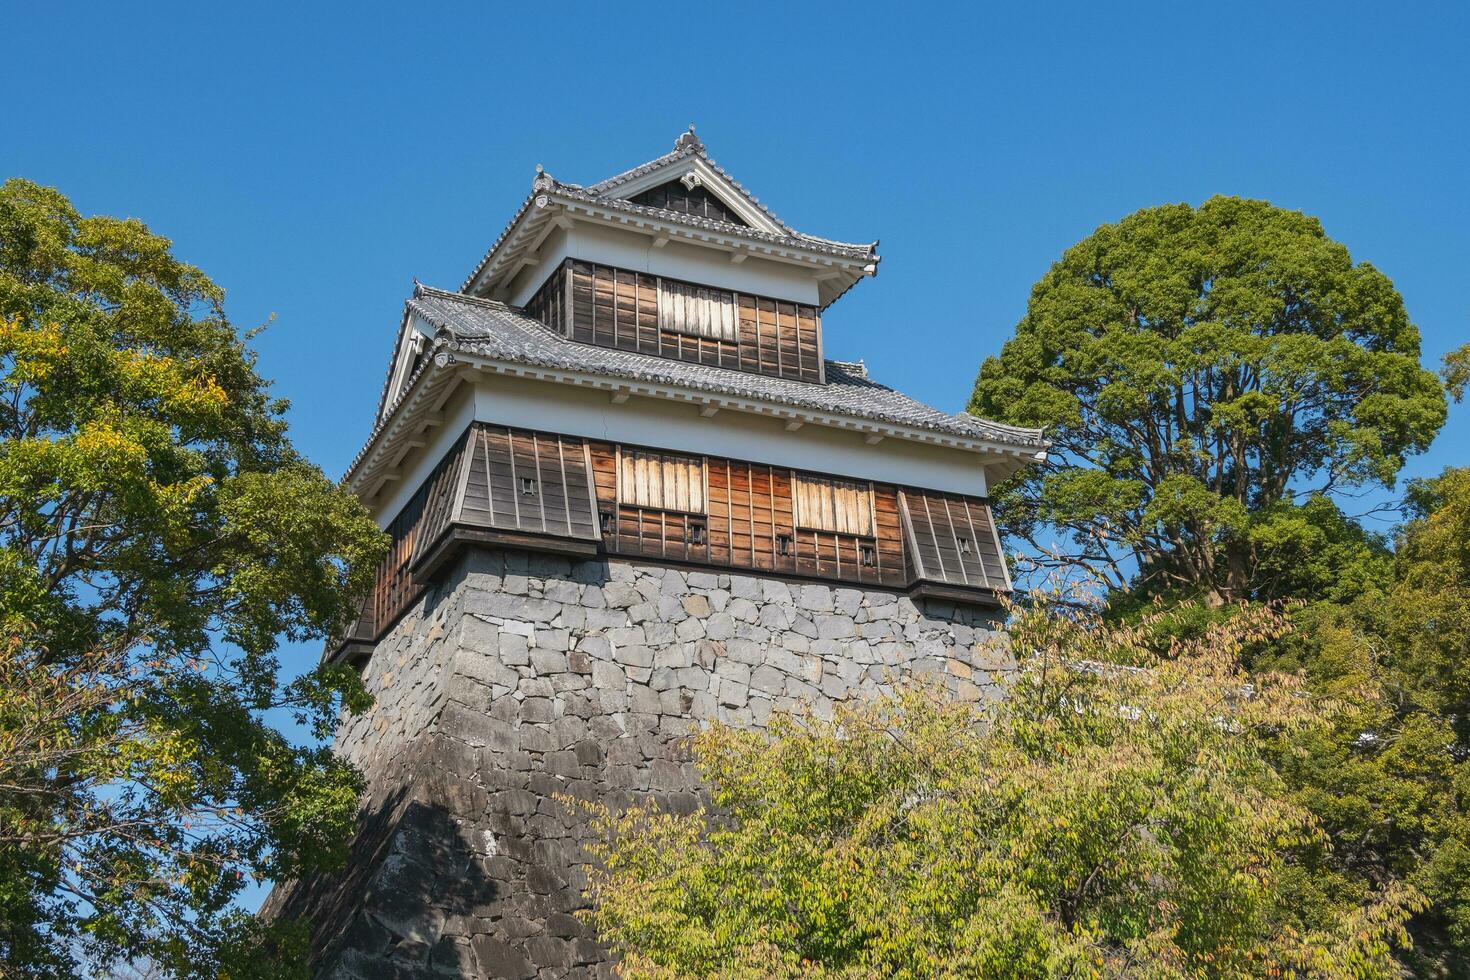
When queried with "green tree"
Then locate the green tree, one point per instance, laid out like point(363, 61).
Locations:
point(1389, 777)
point(158, 534)
point(1115, 814)
point(1212, 379)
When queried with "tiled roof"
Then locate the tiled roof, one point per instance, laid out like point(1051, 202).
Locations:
point(857, 250)
point(687, 146)
point(500, 332)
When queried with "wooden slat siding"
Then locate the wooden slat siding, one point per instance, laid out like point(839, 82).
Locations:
point(749, 505)
point(563, 503)
point(769, 340)
point(619, 308)
point(364, 627)
point(698, 201)
point(421, 521)
point(645, 293)
point(888, 529)
point(938, 522)
point(809, 356)
point(987, 539)
point(580, 318)
point(549, 305)
point(748, 355)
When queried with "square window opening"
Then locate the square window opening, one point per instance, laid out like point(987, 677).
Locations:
point(783, 545)
point(661, 481)
point(868, 555)
point(697, 310)
point(825, 503)
point(528, 486)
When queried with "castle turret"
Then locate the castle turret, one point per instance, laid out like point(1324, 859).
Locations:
point(627, 496)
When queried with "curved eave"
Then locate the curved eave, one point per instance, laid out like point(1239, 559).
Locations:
point(381, 460)
point(838, 265)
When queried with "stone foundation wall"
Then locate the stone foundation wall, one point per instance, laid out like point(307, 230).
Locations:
point(523, 676)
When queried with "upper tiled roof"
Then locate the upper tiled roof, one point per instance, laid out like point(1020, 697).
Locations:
point(500, 332)
point(856, 250)
point(603, 194)
point(688, 145)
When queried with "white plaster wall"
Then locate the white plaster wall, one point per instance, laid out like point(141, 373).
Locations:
point(677, 260)
point(458, 412)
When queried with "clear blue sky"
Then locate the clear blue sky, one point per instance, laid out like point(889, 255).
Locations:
point(313, 159)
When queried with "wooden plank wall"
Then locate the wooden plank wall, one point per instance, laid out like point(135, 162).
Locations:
point(674, 196)
point(561, 501)
point(618, 308)
point(748, 514)
point(423, 519)
point(549, 305)
point(955, 540)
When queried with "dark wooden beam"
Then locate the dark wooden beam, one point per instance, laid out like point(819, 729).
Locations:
point(956, 594)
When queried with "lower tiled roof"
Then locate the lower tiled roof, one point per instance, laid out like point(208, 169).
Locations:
point(500, 332)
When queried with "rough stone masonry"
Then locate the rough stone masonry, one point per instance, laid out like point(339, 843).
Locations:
point(523, 676)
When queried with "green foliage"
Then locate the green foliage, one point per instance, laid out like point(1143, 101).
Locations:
point(1210, 377)
point(157, 535)
point(1389, 778)
point(1456, 372)
point(1097, 821)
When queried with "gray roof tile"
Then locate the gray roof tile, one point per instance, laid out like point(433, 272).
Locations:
point(495, 330)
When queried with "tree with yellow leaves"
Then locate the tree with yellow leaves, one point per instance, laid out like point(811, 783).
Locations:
point(158, 535)
point(1114, 815)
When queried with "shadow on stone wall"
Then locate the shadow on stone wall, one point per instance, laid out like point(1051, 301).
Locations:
point(404, 904)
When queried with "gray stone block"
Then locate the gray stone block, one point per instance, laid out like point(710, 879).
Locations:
point(515, 650)
point(720, 626)
point(835, 627)
point(546, 662)
point(621, 595)
point(498, 958)
point(608, 676)
point(815, 598)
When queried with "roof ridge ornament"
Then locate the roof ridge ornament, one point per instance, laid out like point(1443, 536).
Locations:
point(688, 140)
point(543, 182)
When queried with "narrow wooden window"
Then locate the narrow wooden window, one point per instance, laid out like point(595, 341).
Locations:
point(697, 310)
point(827, 504)
point(661, 481)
